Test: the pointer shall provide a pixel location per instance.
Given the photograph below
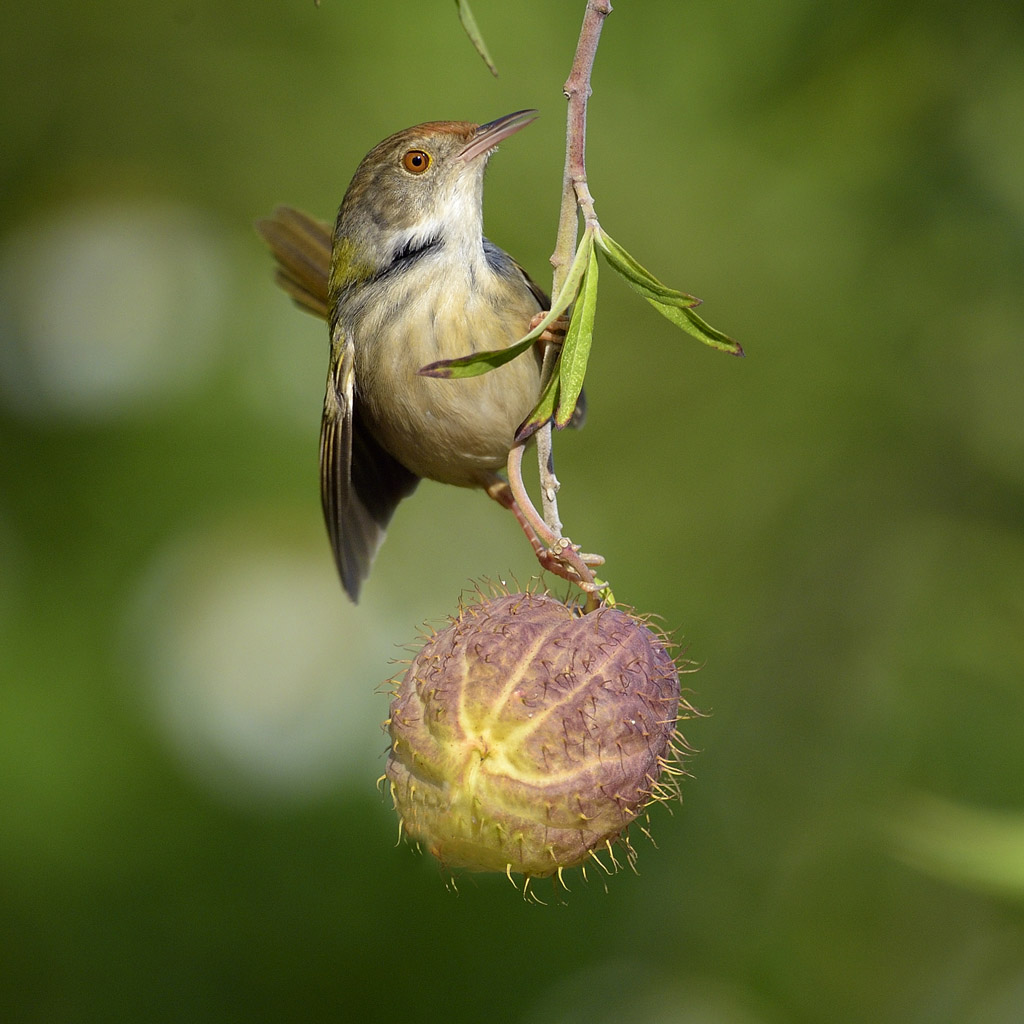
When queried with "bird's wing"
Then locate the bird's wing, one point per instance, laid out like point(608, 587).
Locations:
point(360, 483)
point(302, 247)
point(542, 297)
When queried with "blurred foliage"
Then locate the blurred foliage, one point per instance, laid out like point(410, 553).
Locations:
point(189, 728)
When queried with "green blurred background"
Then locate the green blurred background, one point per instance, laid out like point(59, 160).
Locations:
point(190, 713)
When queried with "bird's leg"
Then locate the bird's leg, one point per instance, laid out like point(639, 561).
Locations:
point(500, 491)
point(554, 333)
point(556, 554)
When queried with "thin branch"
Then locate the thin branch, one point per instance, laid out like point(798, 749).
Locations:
point(574, 179)
point(575, 192)
point(549, 484)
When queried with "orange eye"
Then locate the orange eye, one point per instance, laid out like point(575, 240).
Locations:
point(416, 161)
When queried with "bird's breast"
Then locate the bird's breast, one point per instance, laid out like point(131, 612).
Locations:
point(454, 431)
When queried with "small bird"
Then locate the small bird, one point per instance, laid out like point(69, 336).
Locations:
point(405, 279)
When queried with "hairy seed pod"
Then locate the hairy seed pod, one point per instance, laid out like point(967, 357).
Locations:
point(526, 735)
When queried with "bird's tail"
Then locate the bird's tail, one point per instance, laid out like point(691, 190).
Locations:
point(302, 247)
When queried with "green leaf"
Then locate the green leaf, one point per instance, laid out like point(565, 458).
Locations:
point(576, 347)
point(701, 329)
point(543, 412)
point(640, 277)
point(571, 285)
point(469, 24)
point(673, 305)
point(476, 363)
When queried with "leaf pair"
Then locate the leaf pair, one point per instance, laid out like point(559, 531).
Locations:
point(673, 305)
point(562, 390)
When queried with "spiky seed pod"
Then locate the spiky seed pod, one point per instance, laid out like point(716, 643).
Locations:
point(526, 735)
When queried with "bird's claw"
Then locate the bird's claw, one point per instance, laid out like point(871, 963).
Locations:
point(554, 333)
point(564, 559)
point(555, 552)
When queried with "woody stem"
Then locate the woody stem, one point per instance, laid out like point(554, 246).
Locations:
point(575, 194)
point(576, 199)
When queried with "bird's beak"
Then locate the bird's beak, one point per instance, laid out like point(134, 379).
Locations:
point(489, 135)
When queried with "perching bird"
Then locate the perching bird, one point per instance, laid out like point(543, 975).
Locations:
point(408, 278)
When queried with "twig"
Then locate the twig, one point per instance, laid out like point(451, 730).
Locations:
point(575, 193)
point(574, 179)
point(549, 484)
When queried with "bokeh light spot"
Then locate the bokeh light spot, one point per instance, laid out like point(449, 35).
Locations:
point(261, 675)
point(106, 308)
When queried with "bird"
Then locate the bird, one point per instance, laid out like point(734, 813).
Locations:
point(406, 278)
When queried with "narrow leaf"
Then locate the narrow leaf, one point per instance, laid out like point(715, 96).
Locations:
point(673, 305)
point(476, 363)
point(640, 277)
point(469, 24)
point(701, 329)
point(543, 412)
point(576, 347)
point(578, 267)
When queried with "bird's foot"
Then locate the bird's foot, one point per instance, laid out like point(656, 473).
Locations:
point(554, 333)
point(556, 554)
point(566, 561)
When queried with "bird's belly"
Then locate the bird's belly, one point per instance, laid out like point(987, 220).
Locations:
point(453, 431)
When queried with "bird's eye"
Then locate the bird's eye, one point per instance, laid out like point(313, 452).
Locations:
point(416, 161)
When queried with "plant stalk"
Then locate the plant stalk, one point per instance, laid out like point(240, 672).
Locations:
point(575, 197)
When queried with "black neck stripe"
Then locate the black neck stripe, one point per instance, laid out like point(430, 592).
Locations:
point(402, 259)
